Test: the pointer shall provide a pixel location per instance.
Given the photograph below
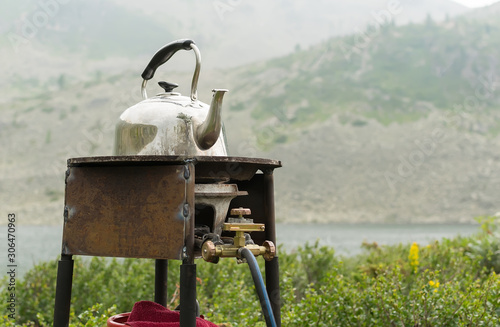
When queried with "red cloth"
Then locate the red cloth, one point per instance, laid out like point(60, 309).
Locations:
point(151, 314)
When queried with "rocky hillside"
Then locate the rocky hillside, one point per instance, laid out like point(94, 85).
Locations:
point(401, 127)
point(394, 123)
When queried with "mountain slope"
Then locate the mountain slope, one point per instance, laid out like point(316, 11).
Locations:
point(406, 129)
point(238, 32)
point(400, 74)
point(43, 40)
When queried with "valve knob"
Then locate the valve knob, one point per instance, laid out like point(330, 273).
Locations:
point(241, 211)
point(208, 252)
point(270, 250)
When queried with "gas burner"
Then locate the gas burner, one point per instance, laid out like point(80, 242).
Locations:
point(212, 203)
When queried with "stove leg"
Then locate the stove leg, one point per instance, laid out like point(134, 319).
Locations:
point(272, 267)
point(188, 295)
point(161, 278)
point(63, 291)
point(273, 288)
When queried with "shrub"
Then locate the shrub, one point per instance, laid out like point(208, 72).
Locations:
point(455, 283)
point(486, 247)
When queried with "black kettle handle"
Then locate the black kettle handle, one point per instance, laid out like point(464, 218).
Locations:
point(163, 55)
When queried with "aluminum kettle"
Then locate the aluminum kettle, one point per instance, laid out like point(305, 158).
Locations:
point(169, 123)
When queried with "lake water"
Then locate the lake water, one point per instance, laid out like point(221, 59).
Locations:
point(41, 243)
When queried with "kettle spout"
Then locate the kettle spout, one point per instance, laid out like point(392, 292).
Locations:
point(208, 132)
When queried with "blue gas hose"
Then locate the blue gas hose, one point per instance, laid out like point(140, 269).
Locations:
point(259, 285)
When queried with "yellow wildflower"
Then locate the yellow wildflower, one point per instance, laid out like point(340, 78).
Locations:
point(434, 284)
point(413, 257)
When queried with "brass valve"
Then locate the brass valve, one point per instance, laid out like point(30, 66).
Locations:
point(210, 251)
point(240, 229)
point(240, 225)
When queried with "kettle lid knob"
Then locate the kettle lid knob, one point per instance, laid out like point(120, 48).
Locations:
point(167, 86)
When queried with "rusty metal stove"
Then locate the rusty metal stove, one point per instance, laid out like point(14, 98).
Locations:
point(149, 206)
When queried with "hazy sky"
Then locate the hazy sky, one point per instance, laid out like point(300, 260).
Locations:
point(476, 3)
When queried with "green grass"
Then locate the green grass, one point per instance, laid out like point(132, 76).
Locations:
point(451, 282)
